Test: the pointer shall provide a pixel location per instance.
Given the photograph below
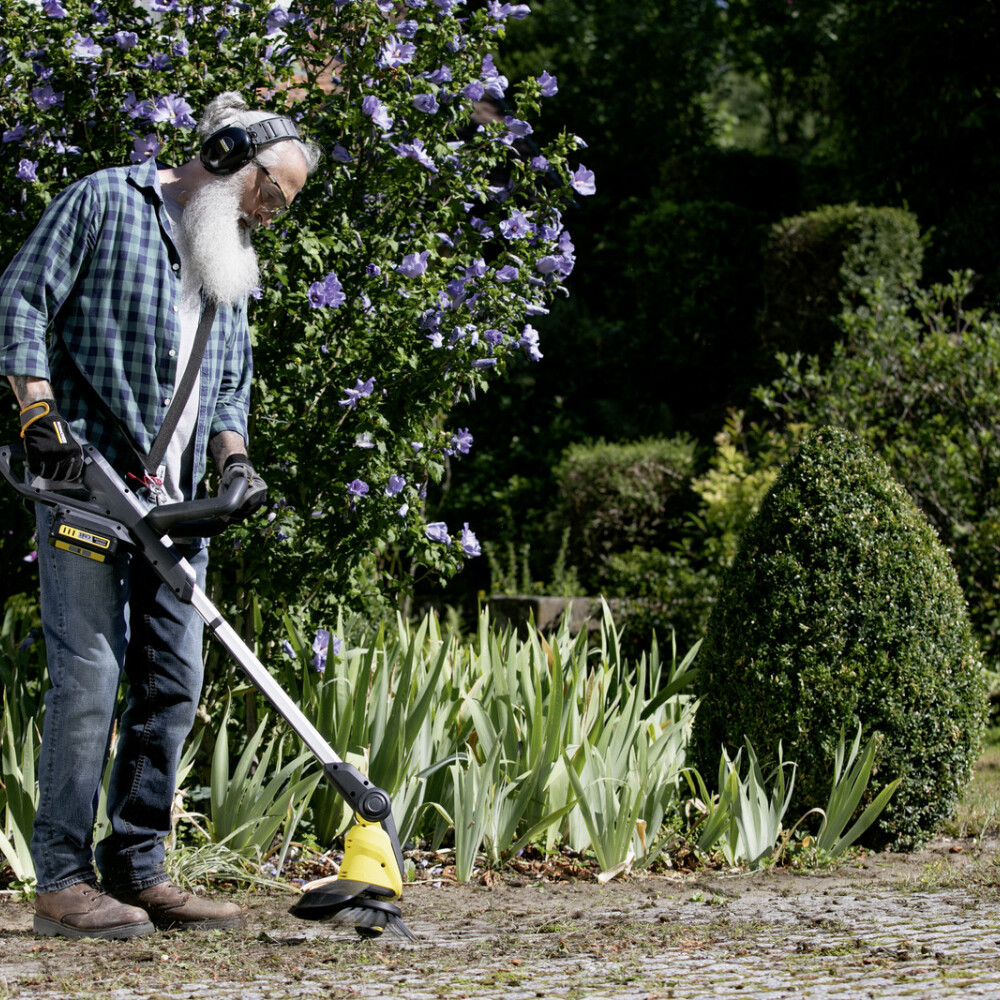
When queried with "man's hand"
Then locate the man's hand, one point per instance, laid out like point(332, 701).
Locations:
point(50, 449)
point(238, 466)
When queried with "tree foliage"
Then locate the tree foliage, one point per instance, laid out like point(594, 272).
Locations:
point(405, 279)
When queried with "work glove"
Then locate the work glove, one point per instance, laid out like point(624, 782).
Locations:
point(49, 448)
point(235, 467)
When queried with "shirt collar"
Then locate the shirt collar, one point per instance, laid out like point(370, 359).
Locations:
point(146, 175)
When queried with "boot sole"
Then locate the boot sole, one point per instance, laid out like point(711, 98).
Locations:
point(47, 927)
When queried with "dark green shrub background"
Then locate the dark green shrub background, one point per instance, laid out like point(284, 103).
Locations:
point(841, 604)
point(615, 496)
point(815, 262)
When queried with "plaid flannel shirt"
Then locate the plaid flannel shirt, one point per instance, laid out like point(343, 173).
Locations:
point(99, 278)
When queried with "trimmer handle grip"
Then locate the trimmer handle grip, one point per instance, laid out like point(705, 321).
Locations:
point(199, 517)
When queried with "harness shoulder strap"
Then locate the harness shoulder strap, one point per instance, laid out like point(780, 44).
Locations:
point(183, 390)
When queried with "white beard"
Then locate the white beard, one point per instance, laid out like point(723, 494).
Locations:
point(220, 256)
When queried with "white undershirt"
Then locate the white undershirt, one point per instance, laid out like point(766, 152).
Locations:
point(178, 461)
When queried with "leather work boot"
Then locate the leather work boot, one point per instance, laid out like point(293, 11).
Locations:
point(84, 911)
point(171, 908)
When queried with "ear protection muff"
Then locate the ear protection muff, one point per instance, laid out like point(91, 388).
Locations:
point(234, 146)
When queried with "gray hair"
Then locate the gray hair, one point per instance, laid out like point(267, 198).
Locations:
point(230, 108)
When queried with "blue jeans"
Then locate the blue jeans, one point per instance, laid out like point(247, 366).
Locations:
point(103, 621)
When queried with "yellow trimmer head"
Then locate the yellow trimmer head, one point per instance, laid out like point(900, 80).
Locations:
point(362, 893)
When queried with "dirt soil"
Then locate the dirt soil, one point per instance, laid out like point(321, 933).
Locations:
point(919, 925)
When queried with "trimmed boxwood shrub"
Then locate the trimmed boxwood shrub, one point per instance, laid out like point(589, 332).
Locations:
point(817, 262)
point(841, 604)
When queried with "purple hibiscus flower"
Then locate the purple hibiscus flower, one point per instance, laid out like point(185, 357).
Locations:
point(437, 531)
point(144, 148)
point(461, 441)
point(529, 341)
point(582, 181)
point(441, 75)
point(494, 83)
point(517, 227)
point(396, 52)
point(517, 126)
point(327, 293)
point(548, 83)
point(45, 97)
point(376, 110)
point(414, 264)
point(415, 151)
point(360, 391)
point(277, 20)
point(173, 109)
point(426, 103)
point(26, 170)
point(470, 544)
point(85, 49)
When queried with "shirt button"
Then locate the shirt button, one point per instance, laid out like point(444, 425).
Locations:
point(172, 353)
point(176, 267)
point(166, 402)
point(175, 308)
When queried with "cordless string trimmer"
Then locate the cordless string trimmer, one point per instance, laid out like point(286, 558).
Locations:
point(98, 516)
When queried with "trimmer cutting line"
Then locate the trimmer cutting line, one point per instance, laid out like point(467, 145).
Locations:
point(99, 516)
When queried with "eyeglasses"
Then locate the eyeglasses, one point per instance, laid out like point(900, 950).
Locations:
point(272, 204)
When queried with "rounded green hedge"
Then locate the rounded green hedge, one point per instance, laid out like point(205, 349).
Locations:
point(816, 262)
point(842, 604)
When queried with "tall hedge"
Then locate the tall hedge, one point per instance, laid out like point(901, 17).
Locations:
point(841, 605)
point(814, 263)
point(614, 496)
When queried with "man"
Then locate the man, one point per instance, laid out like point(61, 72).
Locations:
point(99, 314)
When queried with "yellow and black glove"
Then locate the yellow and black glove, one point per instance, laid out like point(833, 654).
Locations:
point(50, 449)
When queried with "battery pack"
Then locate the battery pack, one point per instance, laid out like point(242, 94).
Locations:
point(90, 537)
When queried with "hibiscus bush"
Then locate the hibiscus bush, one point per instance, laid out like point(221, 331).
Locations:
point(404, 280)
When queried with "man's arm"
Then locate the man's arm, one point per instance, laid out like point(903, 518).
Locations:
point(37, 282)
point(29, 389)
point(224, 444)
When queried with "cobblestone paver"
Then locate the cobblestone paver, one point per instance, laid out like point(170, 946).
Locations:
point(844, 943)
